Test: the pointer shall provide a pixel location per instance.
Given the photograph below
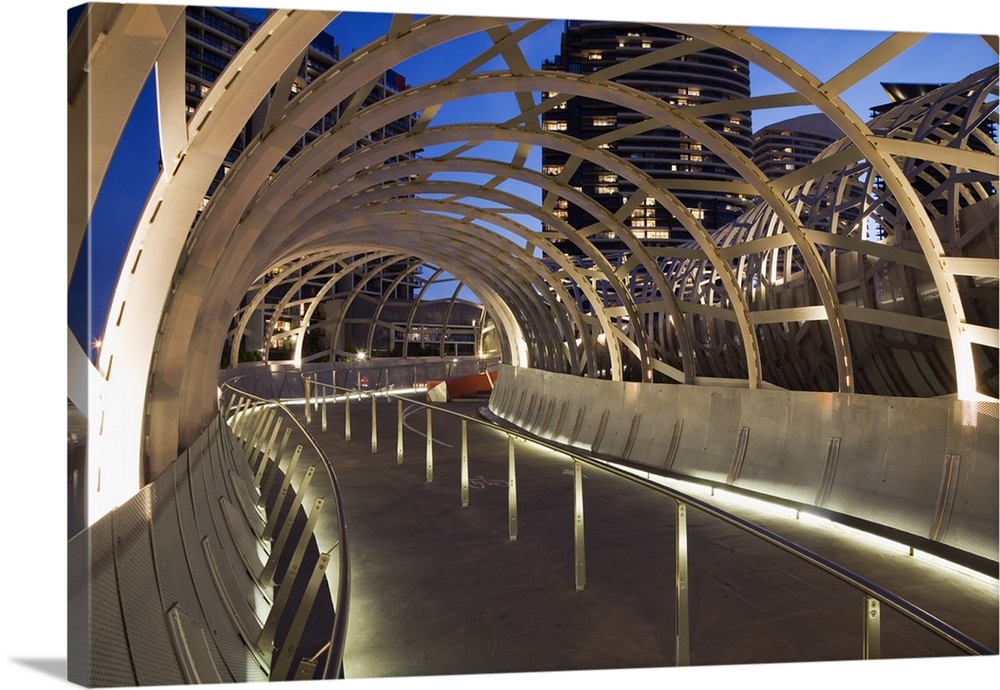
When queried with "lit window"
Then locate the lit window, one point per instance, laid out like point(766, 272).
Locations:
point(555, 125)
point(562, 203)
point(593, 56)
point(647, 44)
point(606, 189)
point(546, 95)
point(552, 169)
point(608, 178)
point(604, 121)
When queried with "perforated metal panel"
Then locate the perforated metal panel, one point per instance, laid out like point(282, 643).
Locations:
point(240, 587)
point(973, 523)
point(92, 578)
point(693, 408)
point(907, 494)
point(882, 459)
point(237, 460)
point(173, 573)
point(860, 422)
point(786, 448)
point(245, 543)
point(145, 624)
point(78, 609)
point(235, 656)
point(247, 503)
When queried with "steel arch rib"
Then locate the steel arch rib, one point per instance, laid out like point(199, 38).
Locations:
point(323, 204)
point(424, 96)
point(869, 145)
point(358, 169)
point(500, 220)
point(112, 50)
point(158, 242)
point(362, 216)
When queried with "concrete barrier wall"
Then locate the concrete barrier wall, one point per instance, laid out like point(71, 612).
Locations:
point(927, 467)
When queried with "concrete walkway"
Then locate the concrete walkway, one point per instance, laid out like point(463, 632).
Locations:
point(438, 589)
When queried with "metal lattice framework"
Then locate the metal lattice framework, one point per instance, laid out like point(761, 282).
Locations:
point(792, 295)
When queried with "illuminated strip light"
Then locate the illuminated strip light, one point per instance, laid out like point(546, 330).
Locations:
point(945, 563)
point(758, 504)
point(874, 539)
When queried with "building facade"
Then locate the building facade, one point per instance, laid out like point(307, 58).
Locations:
point(792, 144)
point(213, 36)
point(691, 79)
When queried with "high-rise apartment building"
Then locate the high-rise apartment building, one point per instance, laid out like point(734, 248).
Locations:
point(214, 35)
point(703, 77)
point(791, 144)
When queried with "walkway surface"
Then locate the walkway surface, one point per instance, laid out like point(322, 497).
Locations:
point(438, 589)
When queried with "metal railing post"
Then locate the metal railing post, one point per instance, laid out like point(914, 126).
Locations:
point(374, 426)
point(286, 483)
point(284, 531)
point(307, 394)
point(262, 467)
point(237, 417)
point(682, 624)
point(260, 447)
point(264, 419)
point(242, 420)
point(578, 542)
point(270, 446)
point(430, 448)
point(399, 431)
point(873, 632)
point(511, 490)
point(465, 463)
point(289, 648)
point(347, 416)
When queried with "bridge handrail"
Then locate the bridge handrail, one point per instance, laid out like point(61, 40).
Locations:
point(338, 635)
point(923, 618)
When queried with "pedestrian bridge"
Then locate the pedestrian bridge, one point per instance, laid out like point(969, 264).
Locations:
point(793, 355)
point(422, 538)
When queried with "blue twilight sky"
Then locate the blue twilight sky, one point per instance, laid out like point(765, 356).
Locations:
point(824, 52)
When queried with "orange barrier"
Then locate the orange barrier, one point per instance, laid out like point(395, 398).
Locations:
point(443, 390)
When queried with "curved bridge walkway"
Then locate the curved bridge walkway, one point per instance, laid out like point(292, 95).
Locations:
point(439, 589)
